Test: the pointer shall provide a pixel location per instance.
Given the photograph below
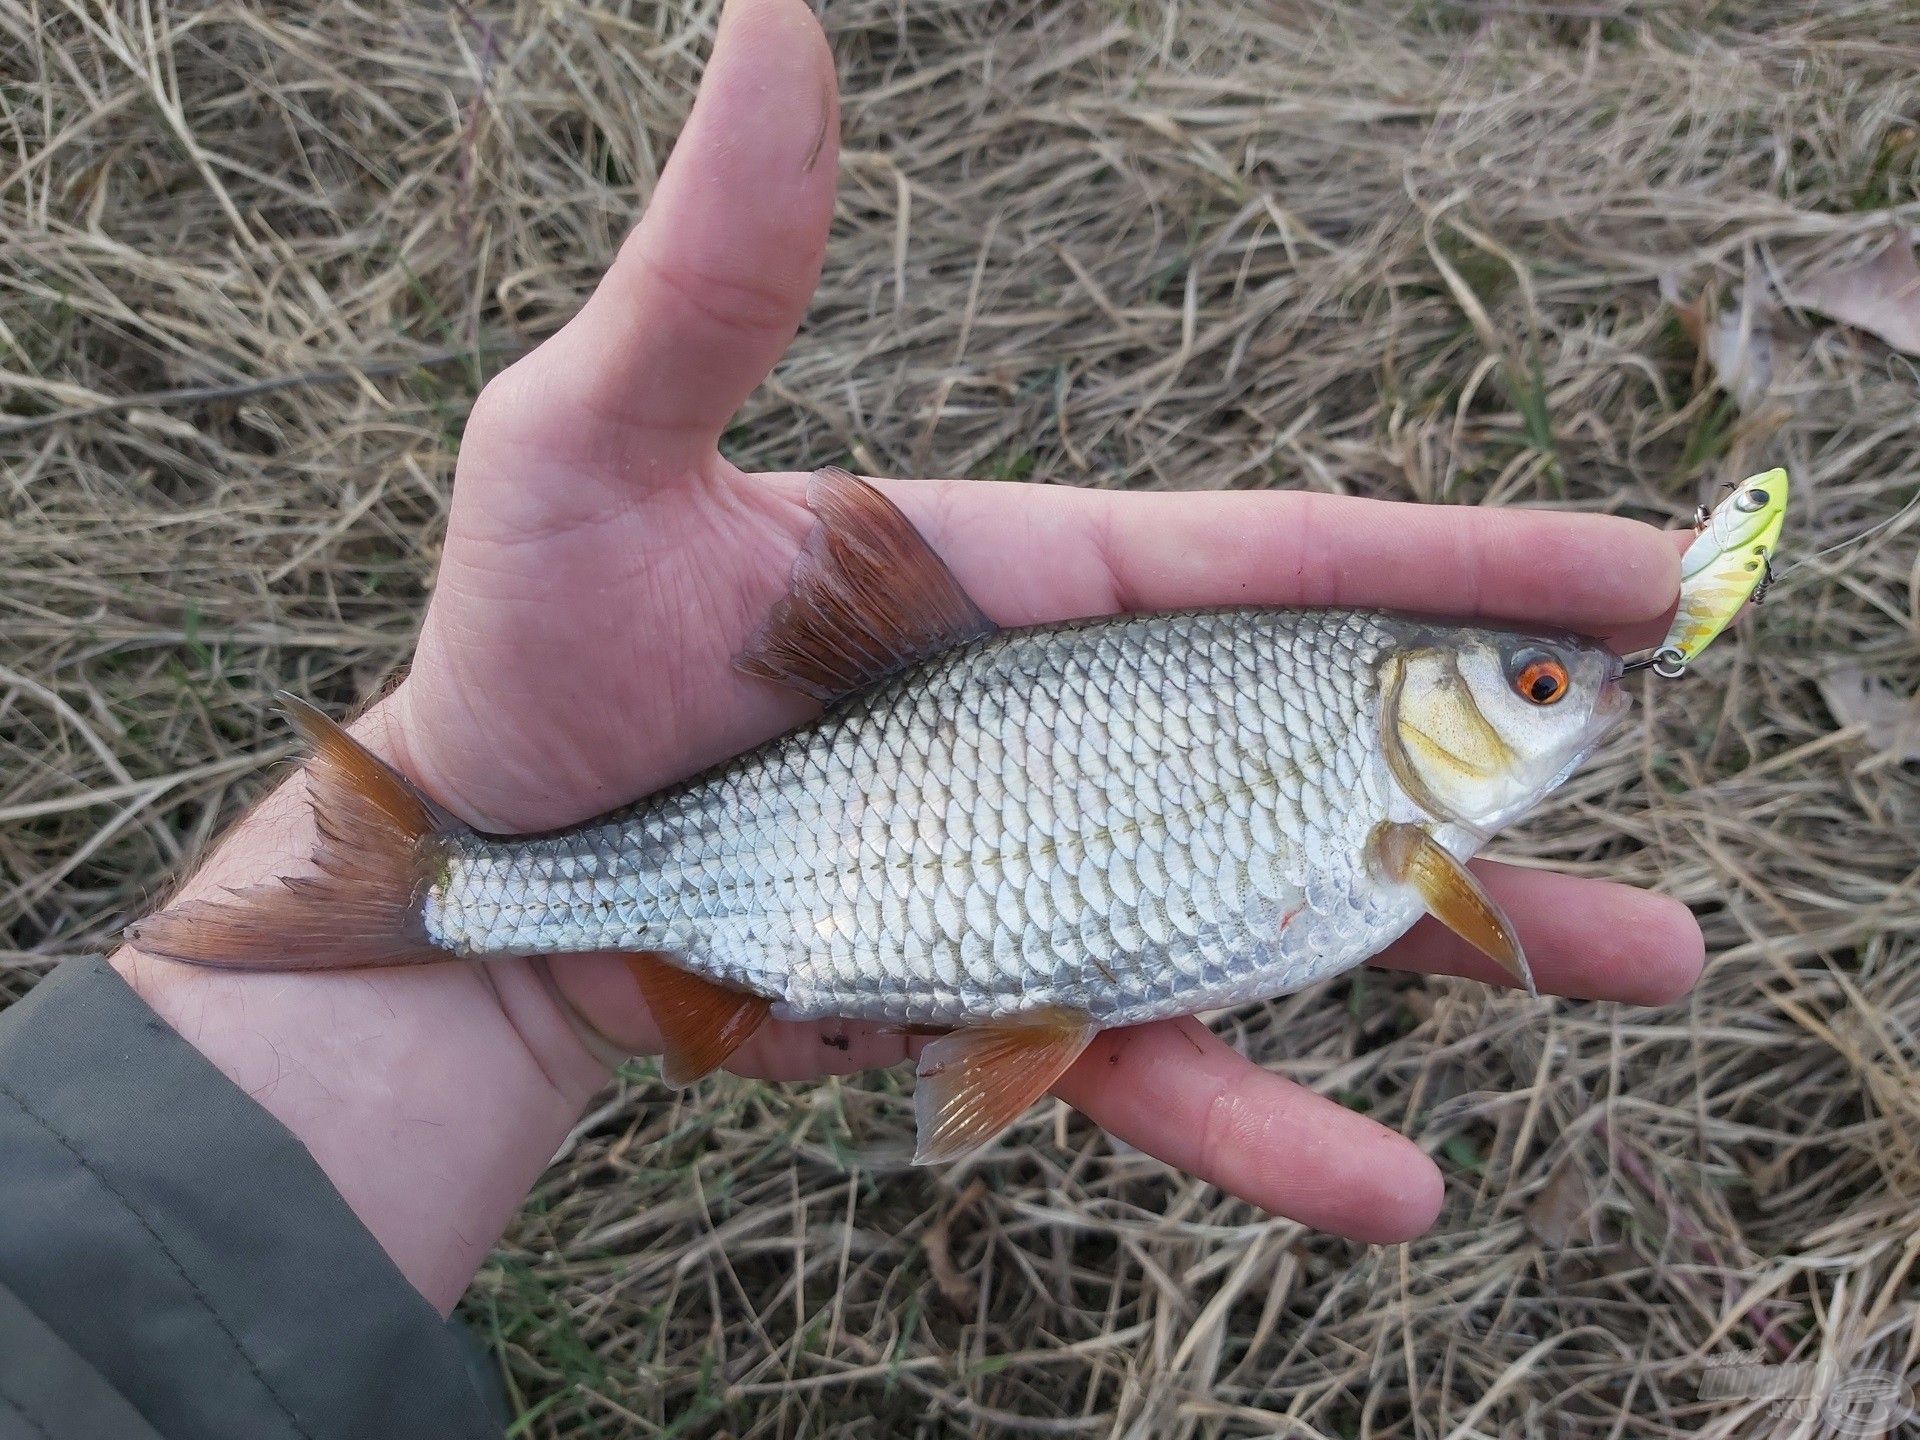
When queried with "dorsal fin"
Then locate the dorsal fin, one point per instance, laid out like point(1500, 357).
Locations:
point(867, 599)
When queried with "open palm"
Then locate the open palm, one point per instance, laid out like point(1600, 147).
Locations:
point(604, 563)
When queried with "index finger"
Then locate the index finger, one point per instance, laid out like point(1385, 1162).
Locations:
point(1036, 553)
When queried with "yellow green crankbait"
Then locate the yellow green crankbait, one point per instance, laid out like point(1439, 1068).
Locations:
point(1729, 563)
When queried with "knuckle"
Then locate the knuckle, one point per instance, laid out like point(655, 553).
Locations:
point(728, 300)
point(506, 402)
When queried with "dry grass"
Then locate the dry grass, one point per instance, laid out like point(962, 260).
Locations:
point(1398, 250)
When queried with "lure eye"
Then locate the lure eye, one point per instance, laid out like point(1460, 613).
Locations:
point(1751, 500)
point(1537, 677)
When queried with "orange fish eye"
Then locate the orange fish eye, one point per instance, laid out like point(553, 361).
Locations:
point(1539, 678)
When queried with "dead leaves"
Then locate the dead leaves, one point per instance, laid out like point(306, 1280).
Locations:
point(1748, 343)
point(958, 1291)
point(1555, 1213)
point(1737, 340)
point(1890, 721)
point(1880, 295)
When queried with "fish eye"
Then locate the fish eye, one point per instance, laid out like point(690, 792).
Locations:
point(1751, 500)
point(1537, 677)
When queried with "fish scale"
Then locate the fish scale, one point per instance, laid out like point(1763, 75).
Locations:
point(1134, 818)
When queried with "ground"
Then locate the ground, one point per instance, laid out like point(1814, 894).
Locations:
point(257, 259)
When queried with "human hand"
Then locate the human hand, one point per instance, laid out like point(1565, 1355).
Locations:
point(604, 563)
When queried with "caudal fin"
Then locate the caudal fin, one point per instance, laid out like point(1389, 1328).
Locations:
point(379, 846)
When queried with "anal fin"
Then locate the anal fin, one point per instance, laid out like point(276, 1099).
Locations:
point(868, 598)
point(974, 1083)
point(1408, 855)
point(701, 1021)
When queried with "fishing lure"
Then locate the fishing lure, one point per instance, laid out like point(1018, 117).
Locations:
point(1728, 565)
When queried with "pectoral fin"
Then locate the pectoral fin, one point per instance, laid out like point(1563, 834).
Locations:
point(1408, 855)
point(974, 1083)
point(701, 1021)
point(867, 599)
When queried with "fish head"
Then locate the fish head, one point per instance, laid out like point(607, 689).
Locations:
point(1479, 725)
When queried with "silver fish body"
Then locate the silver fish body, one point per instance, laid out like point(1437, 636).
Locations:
point(1024, 836)
point(1131, 818)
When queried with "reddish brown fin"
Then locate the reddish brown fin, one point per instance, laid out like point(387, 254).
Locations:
point(1409, 855)
point(377, 849)
point(701, 1021)
point(867, 599)
point(974, 1083)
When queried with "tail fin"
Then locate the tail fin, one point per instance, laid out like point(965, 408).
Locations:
point(379, 847)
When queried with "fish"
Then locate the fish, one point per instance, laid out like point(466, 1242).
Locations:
point(1014, 837)
point(1729, 563)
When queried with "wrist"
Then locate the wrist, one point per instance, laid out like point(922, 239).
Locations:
point(431, 1095)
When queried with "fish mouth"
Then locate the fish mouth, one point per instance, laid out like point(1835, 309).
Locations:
point(1610, 707)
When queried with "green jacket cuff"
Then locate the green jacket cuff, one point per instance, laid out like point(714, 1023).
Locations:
point(172, 1257)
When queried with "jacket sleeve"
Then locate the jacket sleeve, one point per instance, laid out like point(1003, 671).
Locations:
point(172, 1261)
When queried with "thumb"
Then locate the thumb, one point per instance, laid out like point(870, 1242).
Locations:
point(707, 292)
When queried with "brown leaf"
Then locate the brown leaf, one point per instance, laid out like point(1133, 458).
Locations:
point(1737, 340)
point(1740, 349)
point(1555, 1213)
point(1692, 314)
point(959, 1291)
point(1880, 295)
point(1891, 721)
